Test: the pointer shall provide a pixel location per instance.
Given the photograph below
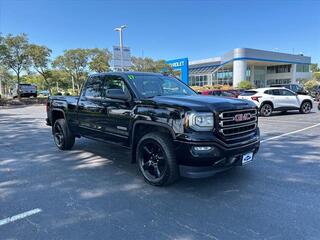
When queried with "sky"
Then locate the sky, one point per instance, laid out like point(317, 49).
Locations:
point(168, 29)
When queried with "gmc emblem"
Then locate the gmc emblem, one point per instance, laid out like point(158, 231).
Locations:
point(242, 117)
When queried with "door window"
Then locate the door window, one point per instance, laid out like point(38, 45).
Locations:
point(284, 92)
point(275, 92)
point(94, 88)
point(115, 83)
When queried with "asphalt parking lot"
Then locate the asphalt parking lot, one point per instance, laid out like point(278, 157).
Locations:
point(93, 192)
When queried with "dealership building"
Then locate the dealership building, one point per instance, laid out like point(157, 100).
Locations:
point(262, 68)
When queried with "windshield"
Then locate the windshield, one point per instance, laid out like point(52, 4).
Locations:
point(152, 85)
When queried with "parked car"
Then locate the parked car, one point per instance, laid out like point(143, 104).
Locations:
point(236, 92)
point(44, 93)
point(315, 92)
point(25, 89)
point(277, 99)
point(171, 130)
point(219, 93)
point(297, 88)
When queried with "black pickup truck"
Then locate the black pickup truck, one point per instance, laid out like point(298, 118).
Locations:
point(171, 130)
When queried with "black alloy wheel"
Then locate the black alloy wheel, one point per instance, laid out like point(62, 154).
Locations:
point(63, 137)
point(156, 159)
point(58, 135)
point(152, 160)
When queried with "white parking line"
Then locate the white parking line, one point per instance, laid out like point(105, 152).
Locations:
point(289, 133)
point(284, 121)
point(19, 216)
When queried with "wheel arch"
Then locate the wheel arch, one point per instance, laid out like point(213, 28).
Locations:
point(307, 100)
point(56, 114)
point(142, 127)
point(267, 102)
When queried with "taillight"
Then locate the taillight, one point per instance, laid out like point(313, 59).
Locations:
point(256, 98)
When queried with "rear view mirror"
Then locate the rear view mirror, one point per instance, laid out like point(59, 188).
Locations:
point(117, 94)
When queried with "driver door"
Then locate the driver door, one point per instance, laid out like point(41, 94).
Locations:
point(117, 112)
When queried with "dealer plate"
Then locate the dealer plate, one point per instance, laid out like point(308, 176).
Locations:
point(246, 158)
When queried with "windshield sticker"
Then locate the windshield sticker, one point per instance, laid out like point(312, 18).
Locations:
point(131, 77)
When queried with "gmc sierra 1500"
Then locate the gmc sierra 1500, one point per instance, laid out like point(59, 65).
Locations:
point(170, 130)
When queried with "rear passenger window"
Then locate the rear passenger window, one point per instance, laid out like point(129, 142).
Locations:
point(275, 92)
point(94, 88)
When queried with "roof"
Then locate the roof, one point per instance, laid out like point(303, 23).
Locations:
point(266, 88)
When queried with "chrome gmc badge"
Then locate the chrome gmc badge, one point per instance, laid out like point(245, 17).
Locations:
point(242, 117)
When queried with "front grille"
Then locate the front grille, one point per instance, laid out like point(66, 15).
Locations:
point(237, 124)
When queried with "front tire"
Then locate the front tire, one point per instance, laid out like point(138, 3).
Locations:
point(156, 159)
point(63, 137)
point(266, 110)
point(305, 107)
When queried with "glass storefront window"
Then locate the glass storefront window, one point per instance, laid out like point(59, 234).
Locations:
point(200, 80)
point(303, 68)
point(279, 69)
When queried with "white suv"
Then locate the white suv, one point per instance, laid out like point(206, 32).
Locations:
point(277, 99)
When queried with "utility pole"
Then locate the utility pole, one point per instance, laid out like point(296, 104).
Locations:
point(120, 30)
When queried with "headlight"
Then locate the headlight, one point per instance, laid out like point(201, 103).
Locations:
point(200, 121)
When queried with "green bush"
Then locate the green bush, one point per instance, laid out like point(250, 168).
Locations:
point(245, 85)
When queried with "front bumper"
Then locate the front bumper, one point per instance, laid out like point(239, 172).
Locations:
point(198, 164)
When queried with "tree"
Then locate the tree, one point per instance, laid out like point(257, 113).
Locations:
point(34, 78)
point(99, 60)
point(40, 59)
point(14, 54)
point(311, 84)
point(61, 79)
point(245, 85)
point(75, 63)
point(314, 68)
point(316, 76)
point(6, 81)
point(149, 65)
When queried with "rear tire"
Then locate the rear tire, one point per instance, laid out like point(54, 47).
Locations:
point(305, 107)
point(266, 110)
point(156, 159)
point(63, 137)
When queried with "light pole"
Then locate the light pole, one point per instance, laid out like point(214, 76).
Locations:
point(120, 30)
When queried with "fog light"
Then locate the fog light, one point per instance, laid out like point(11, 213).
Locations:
point(202, 148)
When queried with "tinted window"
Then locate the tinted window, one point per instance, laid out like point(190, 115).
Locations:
point(227, 94)
point(216, 93)
point(248, 93)
point(115, 82)
point(275, 92)
point(94, 88)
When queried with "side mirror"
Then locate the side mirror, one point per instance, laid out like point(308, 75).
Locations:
point(117, 94)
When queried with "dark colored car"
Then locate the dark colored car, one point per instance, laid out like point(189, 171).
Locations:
point(315, 93)
point(293, 87)
point(219, 93)
point(170, 130)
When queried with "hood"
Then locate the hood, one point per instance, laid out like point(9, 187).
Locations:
point(203, 103)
